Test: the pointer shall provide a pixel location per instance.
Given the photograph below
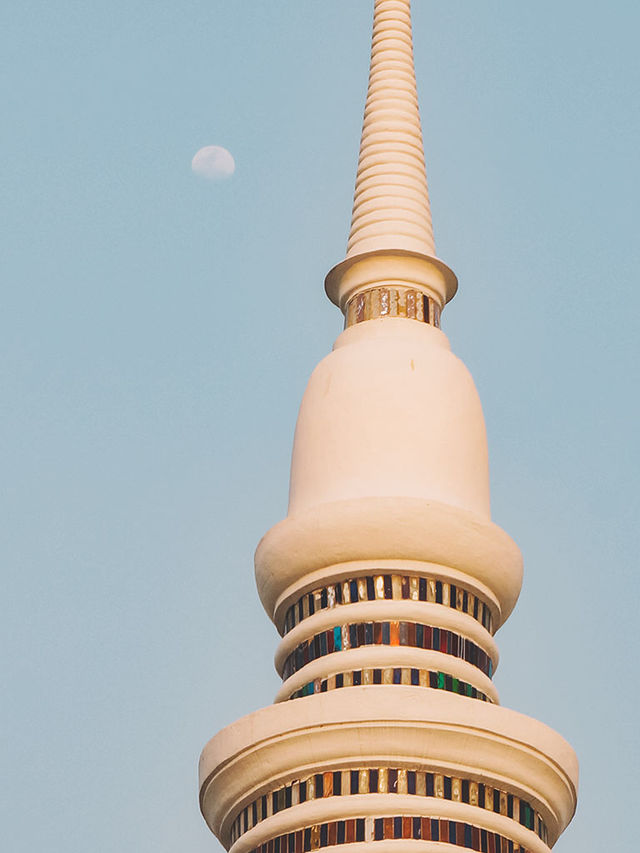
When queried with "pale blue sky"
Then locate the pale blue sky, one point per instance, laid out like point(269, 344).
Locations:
point(158, 331)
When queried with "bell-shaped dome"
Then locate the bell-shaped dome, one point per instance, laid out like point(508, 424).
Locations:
point(391, 412)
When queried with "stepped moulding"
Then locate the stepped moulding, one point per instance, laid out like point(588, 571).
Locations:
point(388, 579)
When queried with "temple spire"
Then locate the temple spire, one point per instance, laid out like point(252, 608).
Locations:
point(391, 238)
point(387, 579)
point(391, 203)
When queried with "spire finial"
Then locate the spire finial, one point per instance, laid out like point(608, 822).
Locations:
point(391, 214)
point(391, 201)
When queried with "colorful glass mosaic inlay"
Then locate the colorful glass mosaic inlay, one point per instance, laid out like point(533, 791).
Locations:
point(387, 780)
point(386, 828)
point(408, 634)
point(392, 675)
point(390, 588)
point(380, 302)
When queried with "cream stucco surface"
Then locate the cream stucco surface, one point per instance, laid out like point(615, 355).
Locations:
point(389, 478)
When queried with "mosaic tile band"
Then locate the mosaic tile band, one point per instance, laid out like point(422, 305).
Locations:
point(408, 634)
point(390, 588)
point(388, 780)
point(384, 828)
point(392, 675)
point(379, 302)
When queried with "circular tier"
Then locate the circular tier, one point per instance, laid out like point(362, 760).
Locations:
point(358, 761)
point(334, 540)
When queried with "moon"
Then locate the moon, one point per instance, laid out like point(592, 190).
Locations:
point(213, 163)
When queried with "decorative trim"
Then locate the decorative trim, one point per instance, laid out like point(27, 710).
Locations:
point(379, 302)
point(392, 675)
point(380, 829)
point(389, 633)
point(387, 780)
point(390, 588)
point(370, 829)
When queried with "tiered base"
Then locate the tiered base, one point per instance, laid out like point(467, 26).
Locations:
point(390, 765)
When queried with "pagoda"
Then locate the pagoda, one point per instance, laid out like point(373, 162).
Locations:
point(388, 580)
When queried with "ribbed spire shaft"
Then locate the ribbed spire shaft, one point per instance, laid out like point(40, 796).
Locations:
point(391, 203)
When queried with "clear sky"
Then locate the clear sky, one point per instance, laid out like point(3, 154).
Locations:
point(157, 332)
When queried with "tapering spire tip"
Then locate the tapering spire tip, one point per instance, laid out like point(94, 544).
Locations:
point(391, 220)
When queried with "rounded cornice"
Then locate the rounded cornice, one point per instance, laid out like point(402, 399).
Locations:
point(403, 725)
point(339, 808)
point(389, 528)
point(384, 657)
point(415, 611)
point(340, 572)
point(390, 266)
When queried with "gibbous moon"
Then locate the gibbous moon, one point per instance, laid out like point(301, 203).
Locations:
point(214, 163)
